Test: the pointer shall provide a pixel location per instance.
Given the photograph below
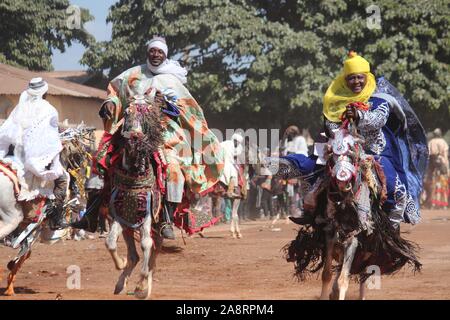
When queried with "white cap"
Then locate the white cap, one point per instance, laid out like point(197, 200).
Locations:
point(37, 87)
point(158, 42)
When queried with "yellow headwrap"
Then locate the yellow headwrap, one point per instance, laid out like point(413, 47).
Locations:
point(338, 95)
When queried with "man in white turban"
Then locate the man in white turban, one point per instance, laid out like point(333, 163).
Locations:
point(192, 168)
point(31, 131)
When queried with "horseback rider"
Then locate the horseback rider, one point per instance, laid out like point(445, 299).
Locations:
point(369, 103)
point(192, 168)
point(29, 140)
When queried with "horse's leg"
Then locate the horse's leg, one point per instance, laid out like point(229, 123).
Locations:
point(143, 287)
point(327, 272)
point(111, 245)
point(339, 257)
point(14, 269)
point(343, 279)
point(232, 225)
point(362, 290)
point(235, 218)
point(133, 259)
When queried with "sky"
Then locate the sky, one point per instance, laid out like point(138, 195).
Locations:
point(69, 60)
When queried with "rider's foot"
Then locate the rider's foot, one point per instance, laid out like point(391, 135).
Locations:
point(57, 224)
point(167, 231)
point(81, 224)
point(302, 220)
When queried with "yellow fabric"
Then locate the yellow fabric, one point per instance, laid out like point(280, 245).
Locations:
point(355, 64)
point(338, 95)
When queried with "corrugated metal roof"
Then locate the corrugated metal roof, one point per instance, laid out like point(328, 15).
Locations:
point(14, 80)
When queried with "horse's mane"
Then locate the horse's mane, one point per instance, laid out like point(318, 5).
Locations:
point(152, 139)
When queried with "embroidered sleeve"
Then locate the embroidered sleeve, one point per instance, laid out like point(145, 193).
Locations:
point(329, 126)
point(374, 119)
point(114, 96)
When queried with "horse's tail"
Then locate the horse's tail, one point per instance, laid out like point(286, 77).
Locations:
point(306, 251)
point(308, 248)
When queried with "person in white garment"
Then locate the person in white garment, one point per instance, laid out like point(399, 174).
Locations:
point(30, 143)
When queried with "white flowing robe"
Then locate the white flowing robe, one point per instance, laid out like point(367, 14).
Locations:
point(32, 128)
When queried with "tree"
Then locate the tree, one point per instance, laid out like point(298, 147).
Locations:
point(265, 63)
point(30, 30)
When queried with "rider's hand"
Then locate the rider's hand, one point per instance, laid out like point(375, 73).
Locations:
point(107, 110)
point(159, 100)
point(351, 113)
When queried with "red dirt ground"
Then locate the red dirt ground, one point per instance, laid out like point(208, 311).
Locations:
point(219, 267)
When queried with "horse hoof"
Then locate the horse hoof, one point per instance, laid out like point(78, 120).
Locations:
point(120, 285)
point(239, 235)
point(9, 293)
point(141, 293)
point(119, 289)
point(334, 296)
point(122, 265)
point(232, 234)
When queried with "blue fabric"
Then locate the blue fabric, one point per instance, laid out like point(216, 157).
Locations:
point(171, 109)
point(391, 178)
point(307, 166)
point(411, 143)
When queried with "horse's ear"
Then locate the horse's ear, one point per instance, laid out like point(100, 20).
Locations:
point(150, 94)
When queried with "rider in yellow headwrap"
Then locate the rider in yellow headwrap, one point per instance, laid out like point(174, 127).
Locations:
point(369, 103)
point(339, 95)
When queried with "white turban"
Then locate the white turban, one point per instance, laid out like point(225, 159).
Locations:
point(158, 42)
point(37, 87)
point(238, 137)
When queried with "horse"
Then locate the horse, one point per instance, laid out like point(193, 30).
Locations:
point(136, 186)
point(23, 223)
point(348, 224)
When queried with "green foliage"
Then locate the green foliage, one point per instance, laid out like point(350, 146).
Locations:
point(30, 30)
point(264, 63)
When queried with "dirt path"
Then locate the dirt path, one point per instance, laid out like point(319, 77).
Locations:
point(219, 267)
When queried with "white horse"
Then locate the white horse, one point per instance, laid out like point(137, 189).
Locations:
point(13, 214)
point(29, 218)
point(134, 181)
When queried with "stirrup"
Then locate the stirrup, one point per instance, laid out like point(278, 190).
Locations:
point(166, 226)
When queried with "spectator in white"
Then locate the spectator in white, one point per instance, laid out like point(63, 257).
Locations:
point(293, 142)
point(233, 178)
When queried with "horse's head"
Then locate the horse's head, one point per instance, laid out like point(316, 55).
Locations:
point(343, 160)
point(142, 131)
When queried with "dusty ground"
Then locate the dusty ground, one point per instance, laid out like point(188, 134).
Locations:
point(219, 267)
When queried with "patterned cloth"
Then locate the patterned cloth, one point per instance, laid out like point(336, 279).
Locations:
point(192, 151)
point(440, 193)
point(380, 141)
point(438, 174)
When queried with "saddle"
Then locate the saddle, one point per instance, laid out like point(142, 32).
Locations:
point(8, 171)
